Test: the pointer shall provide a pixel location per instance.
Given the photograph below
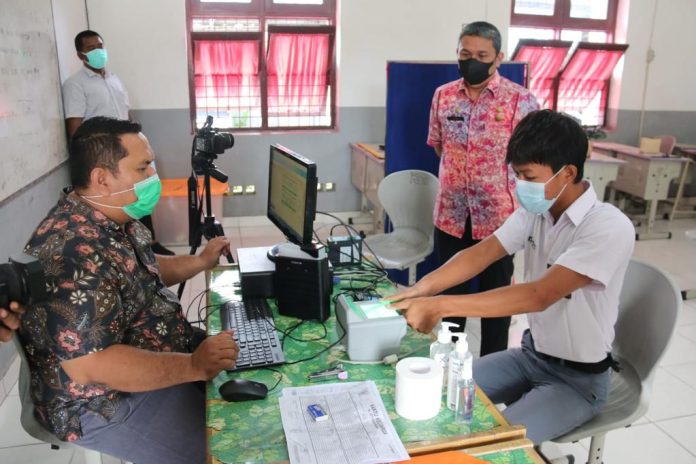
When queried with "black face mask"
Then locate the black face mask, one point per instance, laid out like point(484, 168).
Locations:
point(473, 71)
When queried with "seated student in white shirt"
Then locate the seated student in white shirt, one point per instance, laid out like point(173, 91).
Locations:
point(576, 251)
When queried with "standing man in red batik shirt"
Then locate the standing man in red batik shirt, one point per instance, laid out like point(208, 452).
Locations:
point(471, 120)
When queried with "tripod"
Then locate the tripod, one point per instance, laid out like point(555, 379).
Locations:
point(209, 227)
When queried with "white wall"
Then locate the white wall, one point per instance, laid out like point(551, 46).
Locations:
point(374, 32)
point(69, 18)
point(672, 74)
point(146, 40)
point(148, 50)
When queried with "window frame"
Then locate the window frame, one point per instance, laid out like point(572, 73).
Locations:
point(610, 47)
point(264, 10)
point(561, 20)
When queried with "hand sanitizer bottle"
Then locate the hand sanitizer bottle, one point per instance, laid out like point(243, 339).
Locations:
point(458, 359)
point(465, 394)
point(442, 347)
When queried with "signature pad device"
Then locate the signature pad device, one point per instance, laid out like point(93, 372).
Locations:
point(242, 390)
point(372, 330)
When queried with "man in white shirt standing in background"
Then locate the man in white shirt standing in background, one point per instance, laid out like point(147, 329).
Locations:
point(94, 91)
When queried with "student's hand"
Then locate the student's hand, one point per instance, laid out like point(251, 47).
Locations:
point(9, 320)
point(421, 314)
point(406, 293)
point(213, 249)
point(215, 354)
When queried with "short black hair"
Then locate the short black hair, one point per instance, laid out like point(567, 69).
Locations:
point(84, 35)
point(97, 143)
point(548, 138)
point(484, 30)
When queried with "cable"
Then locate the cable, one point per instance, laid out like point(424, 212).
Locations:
point(320, 352)
point(350, 231)
point(280, 378)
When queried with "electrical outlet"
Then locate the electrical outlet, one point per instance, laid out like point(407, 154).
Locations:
point(320, 187)
point(329, 186)
point(237, 190)
point(249, 189)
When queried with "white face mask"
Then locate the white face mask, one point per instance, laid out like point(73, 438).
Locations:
point(532, 197)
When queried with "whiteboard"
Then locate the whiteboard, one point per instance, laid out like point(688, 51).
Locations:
point(32, 128)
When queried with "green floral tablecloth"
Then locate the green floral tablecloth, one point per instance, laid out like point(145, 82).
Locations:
point(518, 456)
point(252, 431)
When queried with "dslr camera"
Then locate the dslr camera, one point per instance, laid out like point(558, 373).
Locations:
point(207, 144)
point(22, 280)
point(210, 141)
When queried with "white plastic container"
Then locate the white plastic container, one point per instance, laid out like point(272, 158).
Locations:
point(466, 392)
point(441, 348)
point(460, 363)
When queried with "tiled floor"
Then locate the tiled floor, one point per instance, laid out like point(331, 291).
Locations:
point(665, 434)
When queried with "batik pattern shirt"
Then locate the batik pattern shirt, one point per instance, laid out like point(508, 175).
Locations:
point(473, 137)
point(104, 288)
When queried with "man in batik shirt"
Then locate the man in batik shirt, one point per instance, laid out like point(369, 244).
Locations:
point(471, 120)
point(115, 365)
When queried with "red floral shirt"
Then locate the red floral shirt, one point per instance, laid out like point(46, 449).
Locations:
point(104, 288)
point(473, 137)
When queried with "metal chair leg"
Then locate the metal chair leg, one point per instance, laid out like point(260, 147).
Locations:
point(596, 449)
point(411, 275)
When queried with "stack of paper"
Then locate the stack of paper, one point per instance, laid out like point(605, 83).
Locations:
point(358, 429)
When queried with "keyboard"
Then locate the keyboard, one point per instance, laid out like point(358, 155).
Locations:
point(254, 332)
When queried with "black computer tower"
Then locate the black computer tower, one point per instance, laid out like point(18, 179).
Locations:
point(303, 286)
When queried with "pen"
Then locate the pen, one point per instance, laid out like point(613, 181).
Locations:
point(337, 370)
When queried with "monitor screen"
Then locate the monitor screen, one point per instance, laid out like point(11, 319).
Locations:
point(292, 194)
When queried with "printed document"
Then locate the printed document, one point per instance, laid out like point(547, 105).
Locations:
point(358, 429)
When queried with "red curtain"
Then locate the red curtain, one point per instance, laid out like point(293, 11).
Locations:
point(544, 64)
point(298, 67)
point(226, 74)
point(587, 73)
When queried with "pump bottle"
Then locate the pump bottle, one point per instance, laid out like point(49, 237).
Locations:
point(460, 363)
point(443, 346)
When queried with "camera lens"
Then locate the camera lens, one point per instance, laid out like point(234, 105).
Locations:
point(222, 141)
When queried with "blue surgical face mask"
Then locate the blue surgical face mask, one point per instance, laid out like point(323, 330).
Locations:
point(97, 58)
point(532, 197)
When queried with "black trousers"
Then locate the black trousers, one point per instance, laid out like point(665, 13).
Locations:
point(494, 330)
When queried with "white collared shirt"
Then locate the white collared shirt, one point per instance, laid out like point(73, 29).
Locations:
point(592, 238)
point(87, 94)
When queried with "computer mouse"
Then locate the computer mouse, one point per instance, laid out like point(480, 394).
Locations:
point(242, 390)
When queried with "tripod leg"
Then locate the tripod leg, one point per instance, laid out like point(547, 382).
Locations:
point(221, 233)
point(214, 229)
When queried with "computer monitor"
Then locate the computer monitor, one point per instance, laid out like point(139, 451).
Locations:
point(292, 197)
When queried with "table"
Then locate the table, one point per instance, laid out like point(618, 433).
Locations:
point(513, 451)
point(688, 151)
point(252, 431)
point(366, 172)
point(644, 176)
point(601, 169)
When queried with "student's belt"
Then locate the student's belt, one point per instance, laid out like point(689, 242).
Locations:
point(588, 368)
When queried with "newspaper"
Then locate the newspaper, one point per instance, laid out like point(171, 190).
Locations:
point(357, 430)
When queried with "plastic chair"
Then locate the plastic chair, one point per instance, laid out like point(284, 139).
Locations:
point(28, 420)
point(648, 309)
point(667, 143)
point(408, 198)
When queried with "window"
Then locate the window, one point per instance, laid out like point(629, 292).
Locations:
point(263, 64)
point(568, 45)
